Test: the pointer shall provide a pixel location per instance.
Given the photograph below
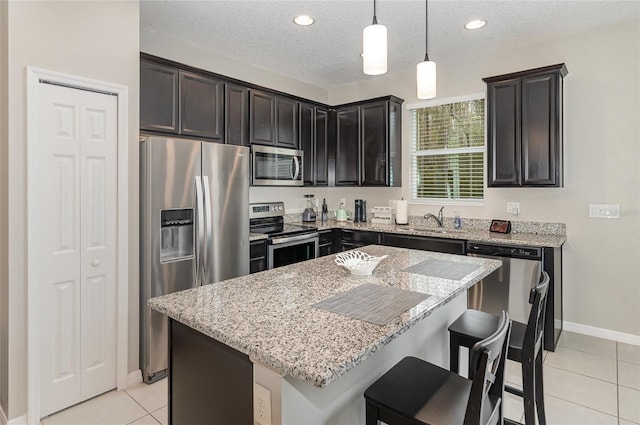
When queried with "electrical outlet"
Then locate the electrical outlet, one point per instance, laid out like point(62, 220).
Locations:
point(343, 203)
point(261, 404)
point(604, 210)
point(513, 208)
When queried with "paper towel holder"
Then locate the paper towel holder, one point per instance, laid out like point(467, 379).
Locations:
point(402, 208)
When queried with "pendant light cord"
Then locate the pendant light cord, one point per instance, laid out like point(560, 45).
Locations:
point(375, 20)
point(426, 29)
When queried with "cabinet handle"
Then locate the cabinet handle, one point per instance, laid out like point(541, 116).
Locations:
point(95, 263)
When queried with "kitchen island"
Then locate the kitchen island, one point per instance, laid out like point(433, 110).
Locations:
point(257, 343)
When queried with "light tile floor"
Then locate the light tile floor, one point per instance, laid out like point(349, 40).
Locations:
point(588, 381)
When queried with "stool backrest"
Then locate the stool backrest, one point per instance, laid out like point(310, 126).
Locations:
point(535, 325)
point(487, 360)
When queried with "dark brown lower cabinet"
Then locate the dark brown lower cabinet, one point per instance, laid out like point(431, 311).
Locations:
point(327, 241)
point(425, 243)
point(350, 239)
point(257, 256)
point(209, 382)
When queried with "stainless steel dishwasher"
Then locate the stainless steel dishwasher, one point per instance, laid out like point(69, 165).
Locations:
point(508, 287)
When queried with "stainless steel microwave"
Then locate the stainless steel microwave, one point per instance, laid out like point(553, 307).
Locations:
point(272, 166)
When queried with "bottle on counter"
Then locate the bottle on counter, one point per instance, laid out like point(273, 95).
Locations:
point(325, 210)
point(457, 221)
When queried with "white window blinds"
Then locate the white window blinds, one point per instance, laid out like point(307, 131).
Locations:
point(448, 151)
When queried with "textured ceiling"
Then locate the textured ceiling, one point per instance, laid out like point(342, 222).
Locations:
point(327, 53)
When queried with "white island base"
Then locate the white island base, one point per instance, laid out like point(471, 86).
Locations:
point(296, 402)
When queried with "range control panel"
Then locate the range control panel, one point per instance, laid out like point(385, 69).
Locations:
point(266, 209)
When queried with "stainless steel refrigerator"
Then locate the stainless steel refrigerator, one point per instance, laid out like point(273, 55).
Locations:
point(194, 227)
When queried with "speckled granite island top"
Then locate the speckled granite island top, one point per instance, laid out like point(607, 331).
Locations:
point(270, 315)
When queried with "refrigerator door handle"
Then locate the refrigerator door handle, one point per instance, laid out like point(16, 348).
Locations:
point(208, 237)
point(200, 223)
point(296, 162)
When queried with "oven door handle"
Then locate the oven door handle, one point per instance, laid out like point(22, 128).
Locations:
point(281, 240)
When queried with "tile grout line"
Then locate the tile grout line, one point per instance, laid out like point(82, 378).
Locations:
point(586, 376)
point(136, 401)
point(581, 405)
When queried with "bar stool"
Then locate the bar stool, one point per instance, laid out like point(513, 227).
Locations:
point(525, 347)
point(416, 392)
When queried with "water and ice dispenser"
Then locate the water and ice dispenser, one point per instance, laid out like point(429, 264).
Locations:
point(176, 239)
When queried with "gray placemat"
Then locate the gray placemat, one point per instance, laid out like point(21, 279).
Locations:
point(442, 268)
point(372, 303)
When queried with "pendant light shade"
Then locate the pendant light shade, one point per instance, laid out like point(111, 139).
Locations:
point(426, 70)
point(426, 79)
point(374, 47)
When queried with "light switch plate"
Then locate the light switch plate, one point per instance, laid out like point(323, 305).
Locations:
point(604, 210)
point(261, 404)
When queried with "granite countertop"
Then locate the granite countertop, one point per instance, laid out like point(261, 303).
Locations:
point(270, 315)
point(476, 235)
point(257, 236)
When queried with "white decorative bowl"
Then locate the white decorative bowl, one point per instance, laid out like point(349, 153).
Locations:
point(358, 262)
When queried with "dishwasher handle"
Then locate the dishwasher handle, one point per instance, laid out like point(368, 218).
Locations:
point(525, 252)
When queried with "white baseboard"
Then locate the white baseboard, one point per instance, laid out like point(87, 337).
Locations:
point(134, 378)
point(21, 420)
point(601, 333)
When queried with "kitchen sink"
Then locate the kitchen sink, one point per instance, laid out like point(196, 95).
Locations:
point(421, 229)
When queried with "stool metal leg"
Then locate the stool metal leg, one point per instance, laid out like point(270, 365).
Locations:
point(371, 414)
point(542, 420)
point(454, 353)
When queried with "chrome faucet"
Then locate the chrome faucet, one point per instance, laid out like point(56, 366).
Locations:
point(439, 219)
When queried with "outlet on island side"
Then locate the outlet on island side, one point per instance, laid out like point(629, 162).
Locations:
point(513, 208)
point(261, 404)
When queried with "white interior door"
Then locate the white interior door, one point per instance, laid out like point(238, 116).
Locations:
point(77, 170)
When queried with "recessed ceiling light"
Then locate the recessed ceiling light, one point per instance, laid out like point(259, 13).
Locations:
point(475, 24)
point(303, 20)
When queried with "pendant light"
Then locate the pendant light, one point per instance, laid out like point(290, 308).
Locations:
point(426, 70)
point(374, 47)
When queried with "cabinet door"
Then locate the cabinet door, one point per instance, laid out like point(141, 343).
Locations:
point(449, 246)
point(237, 115)
point(158, 97)
point(321, 147)
point(373, 119)
point(347, 147)
point(503, 146)
point(262, 118)
point(307, 142)
point(201, 107)
point(257, 256)
point(287, 123)
point(540, 130)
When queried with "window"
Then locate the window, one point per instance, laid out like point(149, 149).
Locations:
point(447, 156)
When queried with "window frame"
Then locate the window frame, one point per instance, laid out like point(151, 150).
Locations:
point(432, 152)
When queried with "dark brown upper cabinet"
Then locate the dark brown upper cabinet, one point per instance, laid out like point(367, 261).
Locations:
point(180, 102)
point(314, 133)
point(347, 168)
point(237, 115)
point(368, 143)
point(524, 128)
point(273, 120)
point(201, 106)
point(159, 93)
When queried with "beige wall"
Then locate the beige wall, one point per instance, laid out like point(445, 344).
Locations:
point(98, 40)
point(602, 156)
point(4, 194)
point(170, 48)
point(602, 163)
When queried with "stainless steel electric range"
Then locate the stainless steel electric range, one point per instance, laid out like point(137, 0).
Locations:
point(287, 243)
